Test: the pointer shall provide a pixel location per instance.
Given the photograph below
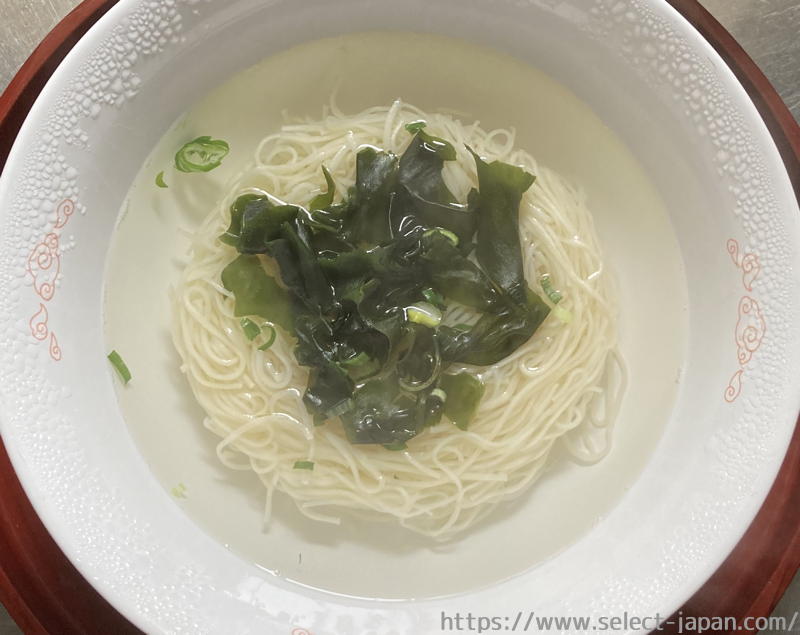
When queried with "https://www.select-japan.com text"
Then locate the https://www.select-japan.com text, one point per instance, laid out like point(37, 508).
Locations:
point(533, 622)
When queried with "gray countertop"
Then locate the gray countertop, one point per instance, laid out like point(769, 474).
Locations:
point(767, 29)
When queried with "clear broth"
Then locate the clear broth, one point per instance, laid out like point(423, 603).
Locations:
point(380, 559)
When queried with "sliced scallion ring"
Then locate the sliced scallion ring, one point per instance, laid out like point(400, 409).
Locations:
point(424, 313)
point(120, 366)
point(201, 155)
point(270, 338)
point(250, 328)
point(444, 232)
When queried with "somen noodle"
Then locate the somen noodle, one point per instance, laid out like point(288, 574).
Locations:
point(563, 385)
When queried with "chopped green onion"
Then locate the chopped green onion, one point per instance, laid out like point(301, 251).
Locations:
point(444, 232)
point(434, 298)
point(304, 465)
point(250, 328)
point(119, 366)
point(415, 126)
point(201, 155)
point(160, 180)
point(562, 314)
point(179, 491)
point(547, 287)
point(440, 394)
point(395, 446)
point(271, 339)
point(360, 366)
point(253, 330)
point(424, 313)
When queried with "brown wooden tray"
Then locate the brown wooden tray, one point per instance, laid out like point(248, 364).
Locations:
point(44, 593)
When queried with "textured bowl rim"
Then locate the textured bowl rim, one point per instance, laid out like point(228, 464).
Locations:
point(44, 592)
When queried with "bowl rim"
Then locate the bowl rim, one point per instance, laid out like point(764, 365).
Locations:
point(43, 591)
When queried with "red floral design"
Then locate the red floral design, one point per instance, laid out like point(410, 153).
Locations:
point(748, 263)
point(750, 270)
point(55, 349)
point(734, 386)
point(44, 265)
point(750, 328)
point(733, 250)
point(38, 323)
point(64, 210)
point(750, 325)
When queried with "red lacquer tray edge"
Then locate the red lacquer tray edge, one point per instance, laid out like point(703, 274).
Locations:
point(44, 593)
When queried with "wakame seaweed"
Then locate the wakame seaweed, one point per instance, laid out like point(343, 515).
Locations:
point(364, 284)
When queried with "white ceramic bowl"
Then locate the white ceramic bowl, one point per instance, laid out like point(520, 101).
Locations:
point(644, 72)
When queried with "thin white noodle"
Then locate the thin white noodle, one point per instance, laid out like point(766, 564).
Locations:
point(564, 384)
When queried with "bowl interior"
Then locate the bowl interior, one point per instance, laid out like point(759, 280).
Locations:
point(693, 207)
point(500, 91)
